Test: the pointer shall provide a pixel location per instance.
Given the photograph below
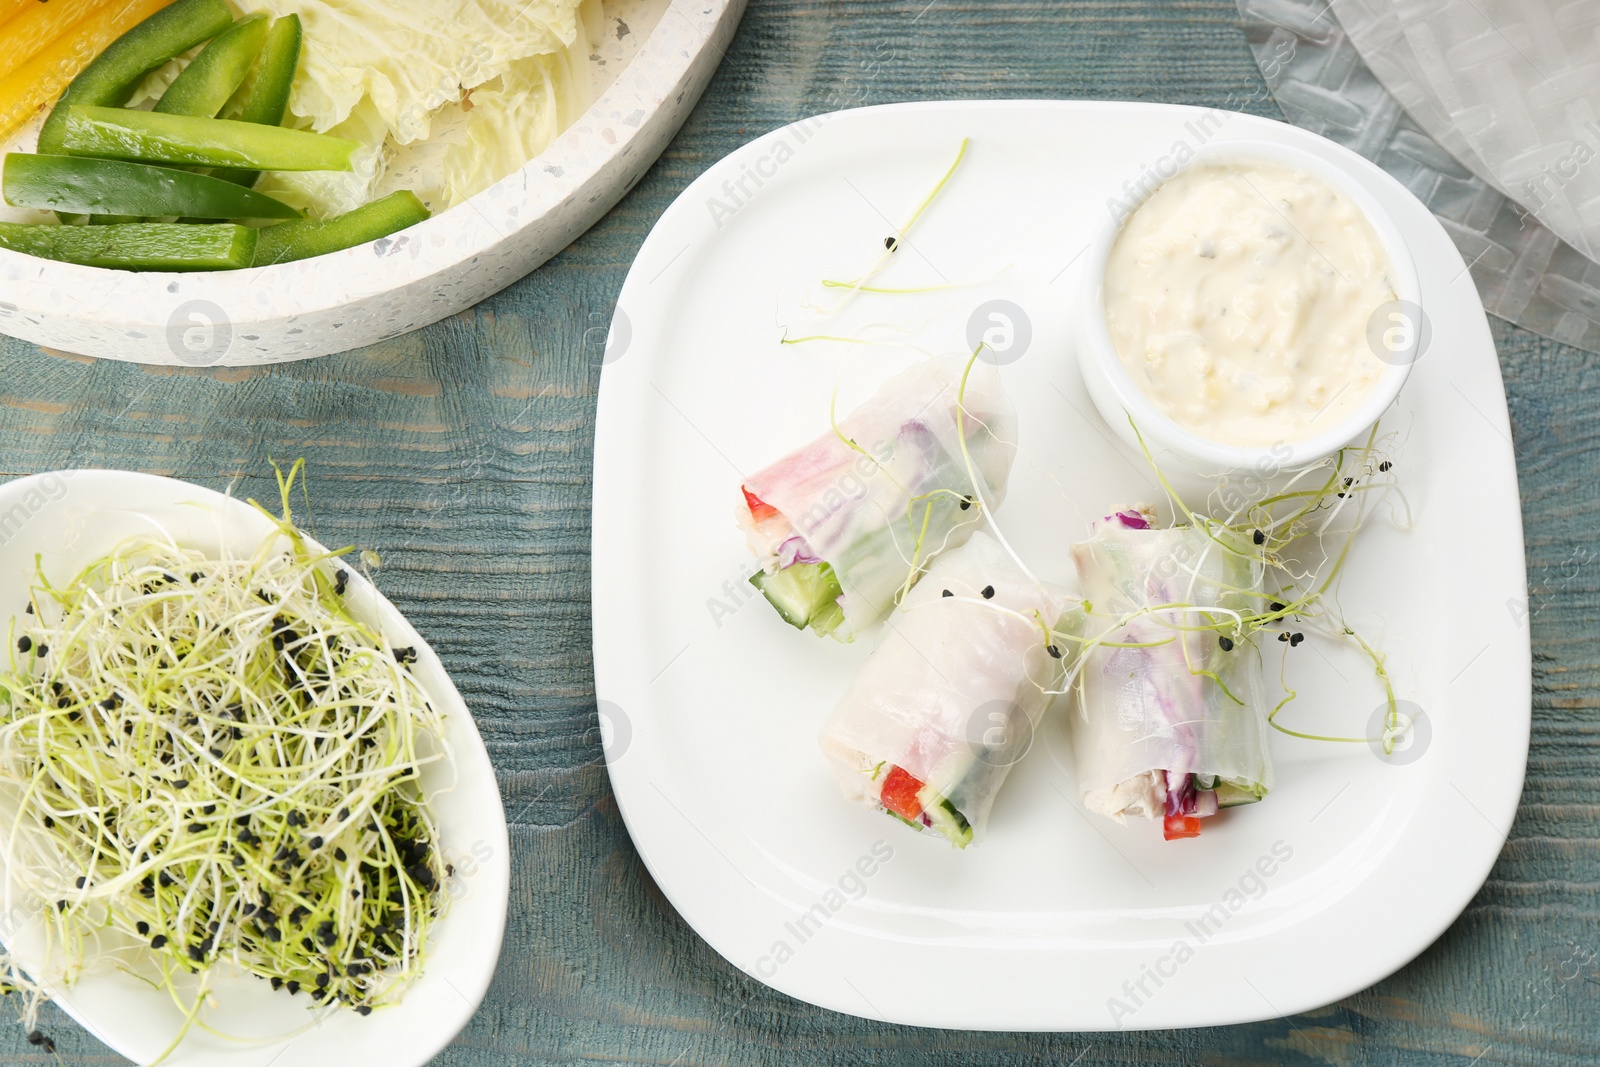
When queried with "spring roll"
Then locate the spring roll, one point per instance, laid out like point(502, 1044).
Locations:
point(950, 699)
point(843, 525)
point(1175, 728)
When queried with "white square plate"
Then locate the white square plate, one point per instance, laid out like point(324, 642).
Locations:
point(1058, 920)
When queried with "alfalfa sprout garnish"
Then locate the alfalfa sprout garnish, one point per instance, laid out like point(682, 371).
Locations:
point(207, 755)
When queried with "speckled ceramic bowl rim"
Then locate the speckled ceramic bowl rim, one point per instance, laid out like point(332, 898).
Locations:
point(1155, 424)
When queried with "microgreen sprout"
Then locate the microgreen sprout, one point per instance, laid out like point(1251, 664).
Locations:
point(218, 765)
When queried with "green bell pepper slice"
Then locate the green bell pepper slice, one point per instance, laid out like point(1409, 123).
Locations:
point(111, 187)
point(266, 91)
point(166, 246)
point(290, 241)
point(149, 137)
point(212, 77)
point(111, 77)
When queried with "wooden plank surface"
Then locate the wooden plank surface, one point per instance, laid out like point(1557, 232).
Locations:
point(462, 454)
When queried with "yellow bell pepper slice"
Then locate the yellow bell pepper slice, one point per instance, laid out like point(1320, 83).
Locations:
point(26, 36)
point(35, 84)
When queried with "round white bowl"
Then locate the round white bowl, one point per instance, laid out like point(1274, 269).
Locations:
point(382, 289)
point(1124, 405)
point(59, 521)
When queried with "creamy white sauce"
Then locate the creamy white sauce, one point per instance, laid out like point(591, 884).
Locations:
point(1238, 296)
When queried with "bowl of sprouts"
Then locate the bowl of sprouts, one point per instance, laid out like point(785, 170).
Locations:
point(234, 182)
point(244, 807)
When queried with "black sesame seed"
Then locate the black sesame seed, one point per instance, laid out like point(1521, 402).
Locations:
point(82, 881)
point(1385, 465)
point(339, 855)
point(947, 593)
point(322, 980)
point(277, 983)
point(1055, 653)
point(49, 823)
point(28, 609)
point(292, 986)
point(24, 643)
point(143, 928)
point(1283, 637)
point(1295, 639)
point(196, 953)
point(363, 1009)
point(315, 842)
point(274, 935)
point(966, 502)
point(44, 650)
point(35, 1038)
point(1259, 537)
point(344, 813)
point(181, 783)
point(891, 243)
point(1226, 643)
point(308, 944)
point(209, 809)
point(1277, 606)
point(164, 878)
point(988, 592)
point(159, 941)
point(61, 905)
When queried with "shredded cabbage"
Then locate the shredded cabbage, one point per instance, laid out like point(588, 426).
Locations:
point(447, 98)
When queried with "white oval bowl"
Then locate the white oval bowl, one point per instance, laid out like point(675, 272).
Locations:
point(384, 288)
point(1120, 399)
point(71, 517)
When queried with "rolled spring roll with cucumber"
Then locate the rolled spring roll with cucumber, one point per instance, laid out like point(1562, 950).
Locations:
point(844, 525)
point(1171, 720)
point(949, 700)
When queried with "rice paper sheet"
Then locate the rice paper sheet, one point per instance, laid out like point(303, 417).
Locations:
point(954, 692)
point(880, 512)
point(1149, 716)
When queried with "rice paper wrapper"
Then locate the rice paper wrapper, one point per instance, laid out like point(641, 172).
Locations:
point(873, 516)
point(1151, 709)
point(954, 692)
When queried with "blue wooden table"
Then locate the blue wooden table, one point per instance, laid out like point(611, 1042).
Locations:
point(462, 454)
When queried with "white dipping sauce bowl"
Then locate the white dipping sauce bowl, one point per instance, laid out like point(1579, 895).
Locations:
point(1119, 399)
